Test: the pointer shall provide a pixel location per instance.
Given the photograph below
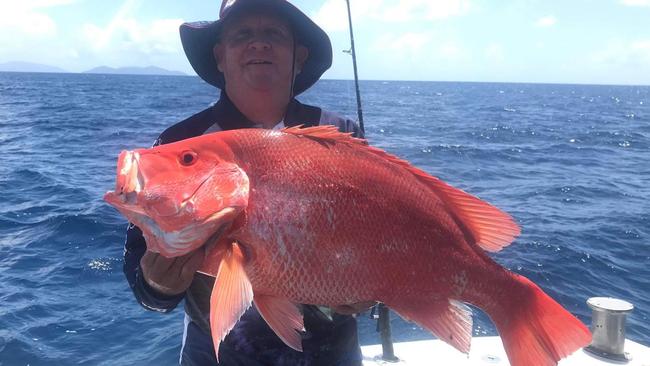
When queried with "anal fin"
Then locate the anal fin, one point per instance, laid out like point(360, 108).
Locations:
point(231, 295)
point(449, 320)
point(283, 317)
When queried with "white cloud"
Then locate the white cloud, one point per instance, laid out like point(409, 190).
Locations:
point(409, 10)
point(27, 19)
point(413, 42)
point(495, 52)
point(624, 53)
point(450, 50)
point(409, 43)
point(29, 33)
point(28, 25)
point(620, 62)
point(417, 48)
point(547, 21)
point(126, 40)
point(129, 36)
point(332, 15)
point(329, 16)
point(641, 49)
point(30, 5)
point(636, 2)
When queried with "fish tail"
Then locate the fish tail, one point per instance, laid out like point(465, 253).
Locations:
point(534, 328)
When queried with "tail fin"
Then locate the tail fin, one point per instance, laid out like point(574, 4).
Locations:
point(535, 329)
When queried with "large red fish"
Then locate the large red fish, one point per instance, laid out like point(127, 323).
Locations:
point(315, 216)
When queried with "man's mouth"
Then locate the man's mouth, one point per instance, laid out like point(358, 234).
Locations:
point(259, 62)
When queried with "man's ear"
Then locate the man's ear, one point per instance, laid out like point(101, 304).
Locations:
point(302, 53)
point(217, 51)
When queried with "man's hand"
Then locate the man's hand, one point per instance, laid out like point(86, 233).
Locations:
point(171, 276)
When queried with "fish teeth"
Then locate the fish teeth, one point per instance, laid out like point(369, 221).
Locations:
point(139, 184)
point(128, 162)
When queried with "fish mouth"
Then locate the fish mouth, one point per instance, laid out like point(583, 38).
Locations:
point(192, 237)
point(129, 179)
point(180, 242)
point(129, 183)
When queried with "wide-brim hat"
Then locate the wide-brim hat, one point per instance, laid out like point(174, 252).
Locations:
point(199, 38)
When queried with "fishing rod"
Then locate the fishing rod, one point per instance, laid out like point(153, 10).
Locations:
point(354, 64)
point(379, 311)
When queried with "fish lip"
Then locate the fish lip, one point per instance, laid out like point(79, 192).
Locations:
point(128, 184)
point(224, 218)
point(119, 201)
point(128, 198)
point(226, 212)
point(129, 179)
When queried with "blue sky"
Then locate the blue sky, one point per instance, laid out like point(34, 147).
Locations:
point(571, 41)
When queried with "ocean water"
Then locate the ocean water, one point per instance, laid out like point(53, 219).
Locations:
point(571, 163)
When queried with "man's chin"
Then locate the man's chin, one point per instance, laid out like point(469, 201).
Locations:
point(264, 83)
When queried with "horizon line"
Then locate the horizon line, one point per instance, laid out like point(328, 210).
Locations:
point(337, 79)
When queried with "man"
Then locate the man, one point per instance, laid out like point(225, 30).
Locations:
point(260, 53)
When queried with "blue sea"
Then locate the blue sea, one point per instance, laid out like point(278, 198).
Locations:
point(571, 163)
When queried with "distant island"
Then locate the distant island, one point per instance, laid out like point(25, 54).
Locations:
point(149, 70)
point(20, 66)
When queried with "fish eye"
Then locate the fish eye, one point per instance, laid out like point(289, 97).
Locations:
point(188, 158)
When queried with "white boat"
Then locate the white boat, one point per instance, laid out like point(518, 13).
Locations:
point(486, 351)
point(608, 347)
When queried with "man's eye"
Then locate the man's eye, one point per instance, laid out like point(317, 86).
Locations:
point(241, 35)
point(278, 33)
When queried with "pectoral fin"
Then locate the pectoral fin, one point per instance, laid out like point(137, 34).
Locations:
point(283, 317)
point(231, 296)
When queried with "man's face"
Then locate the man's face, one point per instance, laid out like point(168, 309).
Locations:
point(256, 52)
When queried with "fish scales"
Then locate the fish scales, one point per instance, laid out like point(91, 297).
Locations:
point(366, 214)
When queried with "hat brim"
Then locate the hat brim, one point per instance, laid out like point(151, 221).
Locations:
point(199, 38)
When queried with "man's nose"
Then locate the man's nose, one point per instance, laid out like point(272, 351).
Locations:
point(259, 45)
point(260, 42)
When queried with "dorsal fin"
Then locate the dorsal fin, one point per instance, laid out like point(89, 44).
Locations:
point(327, 133)
point(492, 228)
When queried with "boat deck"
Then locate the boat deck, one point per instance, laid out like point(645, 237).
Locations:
point(485, 351)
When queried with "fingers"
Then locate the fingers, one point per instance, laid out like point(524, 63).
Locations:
point(148, 259)
point(179, 263)
point(192, 264)
point(156, 261)
point(170, 276)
